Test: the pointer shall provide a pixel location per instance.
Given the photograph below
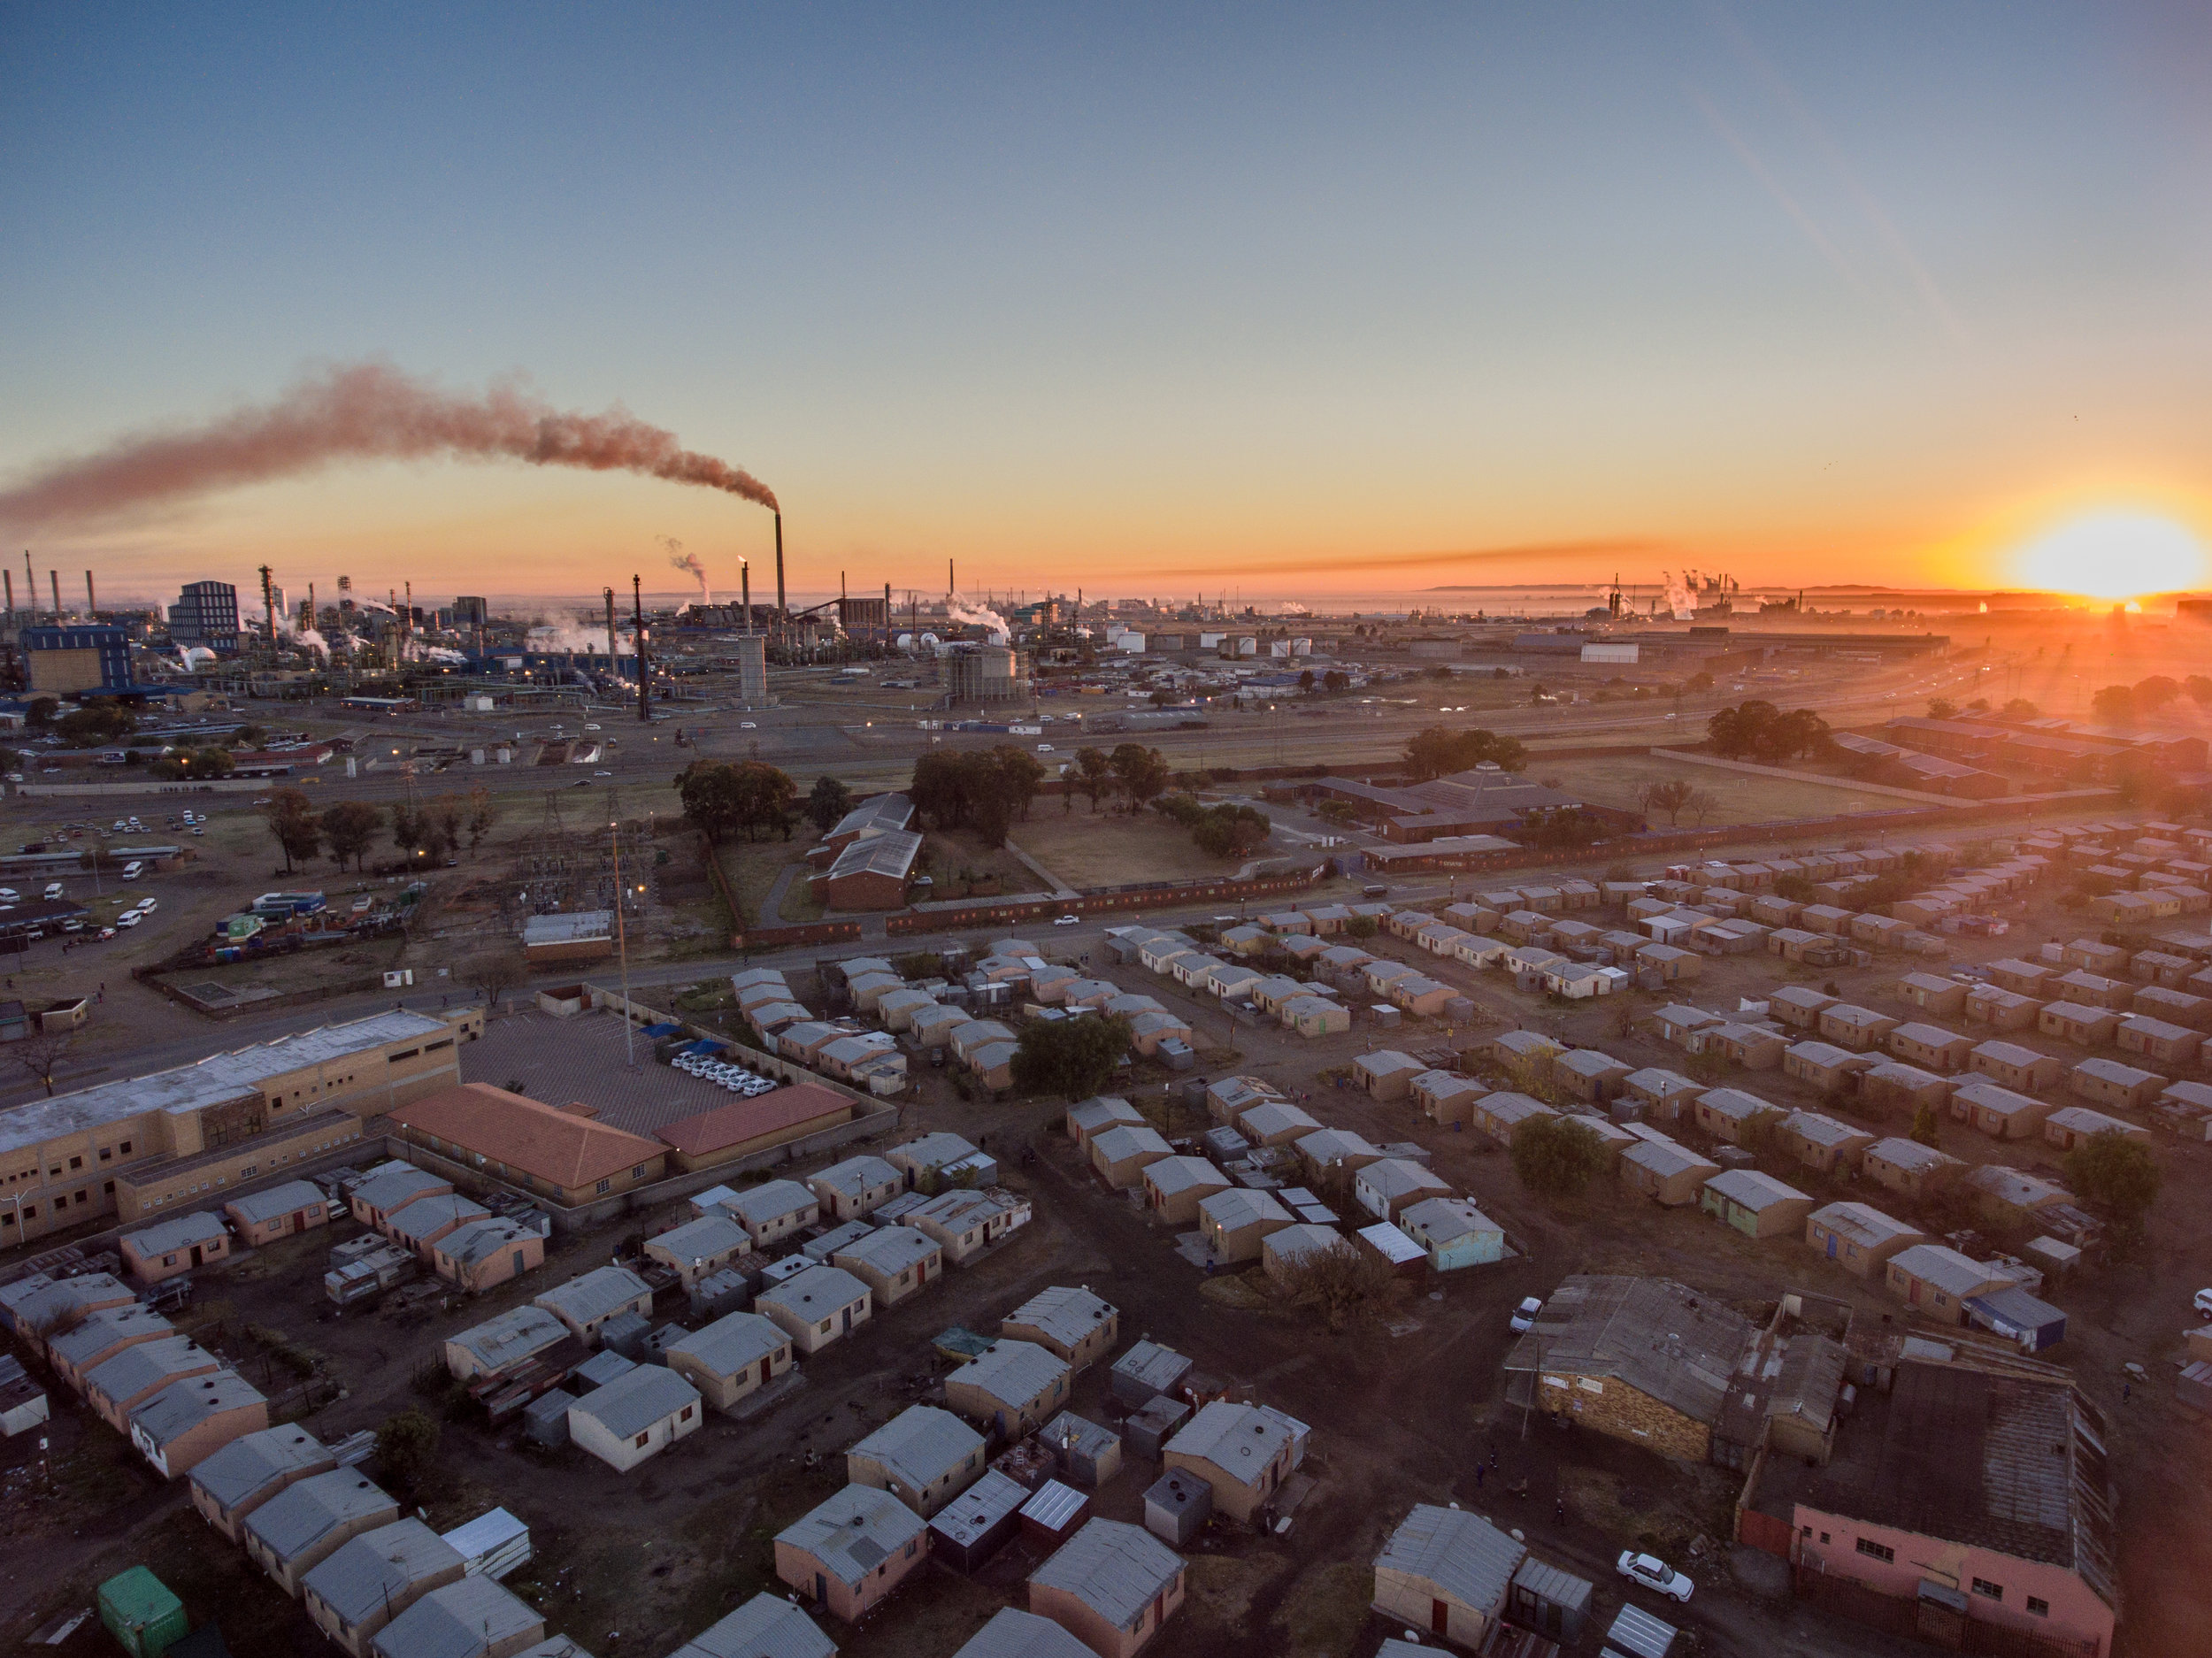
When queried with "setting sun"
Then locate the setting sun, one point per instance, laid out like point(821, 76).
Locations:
point(2113, 556)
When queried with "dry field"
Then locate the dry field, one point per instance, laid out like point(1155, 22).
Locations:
point(1109, 848)
point(1744, 799)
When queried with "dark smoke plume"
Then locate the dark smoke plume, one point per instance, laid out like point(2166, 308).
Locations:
point(367, 412)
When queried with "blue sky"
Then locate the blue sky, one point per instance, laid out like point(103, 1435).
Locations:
point(1142, 300)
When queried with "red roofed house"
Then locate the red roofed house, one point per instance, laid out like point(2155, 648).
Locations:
point(747, 1125)
point(556, 1150)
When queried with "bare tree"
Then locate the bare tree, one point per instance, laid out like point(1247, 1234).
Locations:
point(1701, 802)
point(495, 972)
point(40, 1054)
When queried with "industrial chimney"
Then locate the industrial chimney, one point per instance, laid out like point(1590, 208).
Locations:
point(780, 612)
point(91, 600)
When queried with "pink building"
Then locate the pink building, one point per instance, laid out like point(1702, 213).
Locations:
point(1965, 1495)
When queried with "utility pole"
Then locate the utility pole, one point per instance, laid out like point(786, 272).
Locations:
point(644, 674)
point(621, 935)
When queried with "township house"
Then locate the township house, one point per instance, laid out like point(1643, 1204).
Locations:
point(585, 1303)
point(1175, 1186)
point(1822, 1142)
point(773, 1210)
point(264, 1217)
point(1998, 1112)
point(369, 1580)
point(304, 1524)
point(1386, 1187)
point(1121, 1153)
point(1011, 1388)
point(1236, 1222)
point(2109, 1082)
point(852, 1189)
point(171, 1246)
point(1071, 1323)
point(1243, 1452)
point(1937, 1280)
point(964, 1223)
point(230, 1484)
point(638, 1415)
point(2009, 1066)
point(700, 1246)
point(1387, 1074)
point(1909, 1167)
point(1858, 1238)
point(487, 1253)
point(1100, 1112)
point(893, 1262)
point(1111, 1585)
point(1446, 1570)
point(852, 1550)
point(816, 1307)
point(924, 1456)
point(1666, 1172)
point(1756, 1205)
point(732, 1358)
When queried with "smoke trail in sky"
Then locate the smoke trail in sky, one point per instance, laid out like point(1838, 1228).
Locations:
point(362, 411)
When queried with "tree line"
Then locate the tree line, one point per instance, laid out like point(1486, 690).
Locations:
point(436, 829)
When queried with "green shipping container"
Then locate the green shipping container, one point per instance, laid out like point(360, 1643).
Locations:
point(140, 1612)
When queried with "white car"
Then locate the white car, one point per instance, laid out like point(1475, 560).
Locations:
point(54, 890)
point(746, 724)
point(147, 906)
point(1068, 921)
point(1654, 1573)
point(1523, 1317)
point(8, 895)
point(2204, 1303)
point(1044, 747)
point(591, 728)
point(130, 920)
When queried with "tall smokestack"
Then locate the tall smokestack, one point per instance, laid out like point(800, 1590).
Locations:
point(745, 577)
point(610, 630)
point(644, 681)
point(314, 616)
point(268, 607)
point(91, 600)
point(8, 576)
point(30, 584)
point(951, 586)
point(780, 609)
point(54, 577)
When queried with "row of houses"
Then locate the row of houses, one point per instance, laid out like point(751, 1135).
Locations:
point(378, 1584)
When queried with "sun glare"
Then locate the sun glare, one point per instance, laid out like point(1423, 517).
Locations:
point(2113, 556)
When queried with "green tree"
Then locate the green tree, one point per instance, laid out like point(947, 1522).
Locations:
point(1230, 831)
point(350, 828)
point(1348, 1287)
point(2117, 1176)
point(1942, 708)
point(2115, 703)
point(1141, 774)
point(1094, 775)
point(766, 798)
point(2020, 708)
point(1926, 1129)
point(1670, 797)
point(827, 801)
point(1438, 750)
point(406, 828)
point(1305, 683)
point(2154, 693)
point(1362, 927)
point(1070, 1057)
point(95, 723)
point(406, 1448)
point(2199, 688)
point(291, 819)
point(1560, 828)
point(1336, 681)
point(40, 713)
point(1556, 1156)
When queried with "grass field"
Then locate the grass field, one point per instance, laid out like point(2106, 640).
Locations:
point(751, 867)
point(1108, 849)
point(1744, 799)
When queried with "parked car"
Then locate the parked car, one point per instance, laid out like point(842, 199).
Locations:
point(107, 933)
point(147, 906)
point(1523, 1317)
point(9, 896)
point(2204, 1303)
point(130, 920)
point(54, 889)
point(1654, 1573)
point(1068, 921)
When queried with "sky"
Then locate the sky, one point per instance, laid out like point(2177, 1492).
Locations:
point(1272, 301)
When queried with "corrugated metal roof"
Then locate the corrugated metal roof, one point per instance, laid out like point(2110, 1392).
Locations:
point(461, 1620)
point(816, 1293)
point(256, 1207)
point(765, 1204)
point(921, 1444)
point(183, 1405)
point(1240, 1440)
point(968, 1517)
point(1240, 1207)
point(387, 1187)
point(1013, 1633)
point(705, 1238)
point(1054, 1505)
point(1066, 1314)
point(595, 1295)
point(854, 1176)
point(377, 1567)
point(179, 1232)
point(307, 1509)
point(1013, 1372)
point(767, 1626)
point(135, 1368)
point(730, 1343)
point(1156, 1366)
point(1465, 1556)
point(252, 1462)
point(891, 1250)
point(1115, 1569)
point(512, 1337)
point(104, 1330)
point(1752, 1190)
point(637, 1399)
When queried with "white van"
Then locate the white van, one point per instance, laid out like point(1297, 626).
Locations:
point(131, 871)
point(54, 890)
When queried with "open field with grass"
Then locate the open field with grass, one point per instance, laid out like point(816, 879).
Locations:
point(751, 867)
point(1108, 850)
point(1616, 780)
